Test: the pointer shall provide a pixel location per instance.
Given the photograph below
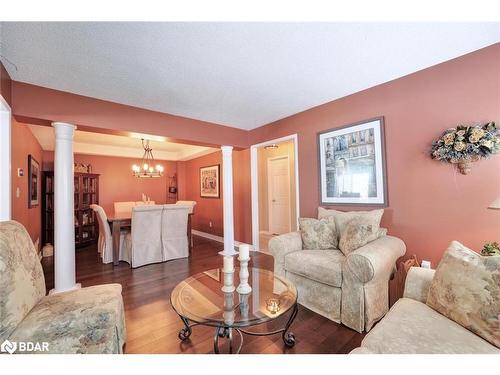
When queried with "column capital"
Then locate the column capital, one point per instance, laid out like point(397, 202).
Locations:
point(226, 149)
point(63, 130)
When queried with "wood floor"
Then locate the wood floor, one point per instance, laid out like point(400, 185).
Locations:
point(152, 324)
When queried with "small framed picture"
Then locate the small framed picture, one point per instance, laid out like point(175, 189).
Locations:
point(352, 164)
point(33, 182)
point(210, 181)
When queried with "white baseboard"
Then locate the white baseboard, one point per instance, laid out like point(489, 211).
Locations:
point(220, 239)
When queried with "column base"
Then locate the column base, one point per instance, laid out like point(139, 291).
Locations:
point(75, 287)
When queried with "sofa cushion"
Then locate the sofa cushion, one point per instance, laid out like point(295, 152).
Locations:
point(466, 289)
point(412, 327)
point(324, 266)
point(318, 234)
point(88, 320)
point(22, 283)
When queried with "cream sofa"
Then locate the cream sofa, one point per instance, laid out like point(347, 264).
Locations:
point(412, 327)
point(87, 320)
point(351, 290)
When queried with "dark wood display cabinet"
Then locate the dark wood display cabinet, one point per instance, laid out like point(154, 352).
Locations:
point(86, 193)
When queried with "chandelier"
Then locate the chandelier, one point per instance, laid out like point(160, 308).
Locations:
point(147, 167)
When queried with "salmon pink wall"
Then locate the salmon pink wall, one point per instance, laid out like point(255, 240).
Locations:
point(116, 182)
point(430, 204)
point(24, 143)
point(210, 209)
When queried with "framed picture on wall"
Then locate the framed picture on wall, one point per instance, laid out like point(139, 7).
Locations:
point(352, 164)
point(210, 181)
point(33, 182)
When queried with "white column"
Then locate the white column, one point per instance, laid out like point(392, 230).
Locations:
point(5, 161)
point(64, 205)
point(227, 187)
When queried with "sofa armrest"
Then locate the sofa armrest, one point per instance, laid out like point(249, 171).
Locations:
point(376, 260)
point(418, 282)
point(282, 245)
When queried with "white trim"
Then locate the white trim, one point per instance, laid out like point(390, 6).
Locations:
point(255, 182)
point(220, 239)
point(269, 200)
point(5, 161)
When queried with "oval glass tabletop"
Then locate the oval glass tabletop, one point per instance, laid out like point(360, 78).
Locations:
point(200, 299)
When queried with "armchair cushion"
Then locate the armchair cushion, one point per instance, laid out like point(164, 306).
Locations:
point(318, 234)
point(357, 233)
point(342, 218)
point(324, 266)
point(466, 289)
point(88, 320)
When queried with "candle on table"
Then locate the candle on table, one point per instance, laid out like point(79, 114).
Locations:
point(228, 264)
point(244, 250)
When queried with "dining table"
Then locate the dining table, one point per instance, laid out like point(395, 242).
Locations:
point(119, 220)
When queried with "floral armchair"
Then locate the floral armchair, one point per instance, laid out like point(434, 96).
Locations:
point(87, 320)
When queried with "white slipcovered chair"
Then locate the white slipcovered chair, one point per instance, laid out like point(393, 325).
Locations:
point(123, 207)
point(159, 233)
point(174, 231)
point(105, 241)
point(191, 204)
point(145, 203)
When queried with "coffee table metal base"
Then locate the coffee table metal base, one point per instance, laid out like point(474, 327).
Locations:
point(223, 331)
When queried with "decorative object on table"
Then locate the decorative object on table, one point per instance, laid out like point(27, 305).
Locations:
point(244, 258)
point(466, 144)
point(147, 167)
point(491, 249)
point(228, 272)
point(273, 305)
point(33, 182)
point(80, 168)
point(89, 168)
point(210, 181)
point(352, 164)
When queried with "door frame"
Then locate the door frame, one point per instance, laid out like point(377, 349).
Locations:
point(5, 161)
point(254, 176)
point(269, 160)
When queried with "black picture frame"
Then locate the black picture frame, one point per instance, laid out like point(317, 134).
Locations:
point(382, 198)
point(33, 182)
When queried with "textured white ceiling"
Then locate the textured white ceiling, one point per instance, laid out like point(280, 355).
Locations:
point(238, 74)
point(115, 145)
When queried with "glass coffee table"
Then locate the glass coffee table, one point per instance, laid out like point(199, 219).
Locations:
point(199, 300)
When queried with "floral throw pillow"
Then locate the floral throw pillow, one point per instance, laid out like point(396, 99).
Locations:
point(358, 232)
point(466, 289)
point(318, 234)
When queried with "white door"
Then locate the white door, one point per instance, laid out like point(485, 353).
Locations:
point(278, 177)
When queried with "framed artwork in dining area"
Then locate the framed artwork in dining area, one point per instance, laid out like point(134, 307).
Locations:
point(33, 182)
point(352, 168)
point(210, 181)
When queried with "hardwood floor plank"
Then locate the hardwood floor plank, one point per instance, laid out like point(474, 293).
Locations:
point(153, 325)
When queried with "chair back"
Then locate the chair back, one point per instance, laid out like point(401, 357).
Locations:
point(174, 231)
point(22, 283)
point(146, 235)
point(145, 203)
point(191, 204)
point(123, 207)
point(102, 219)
